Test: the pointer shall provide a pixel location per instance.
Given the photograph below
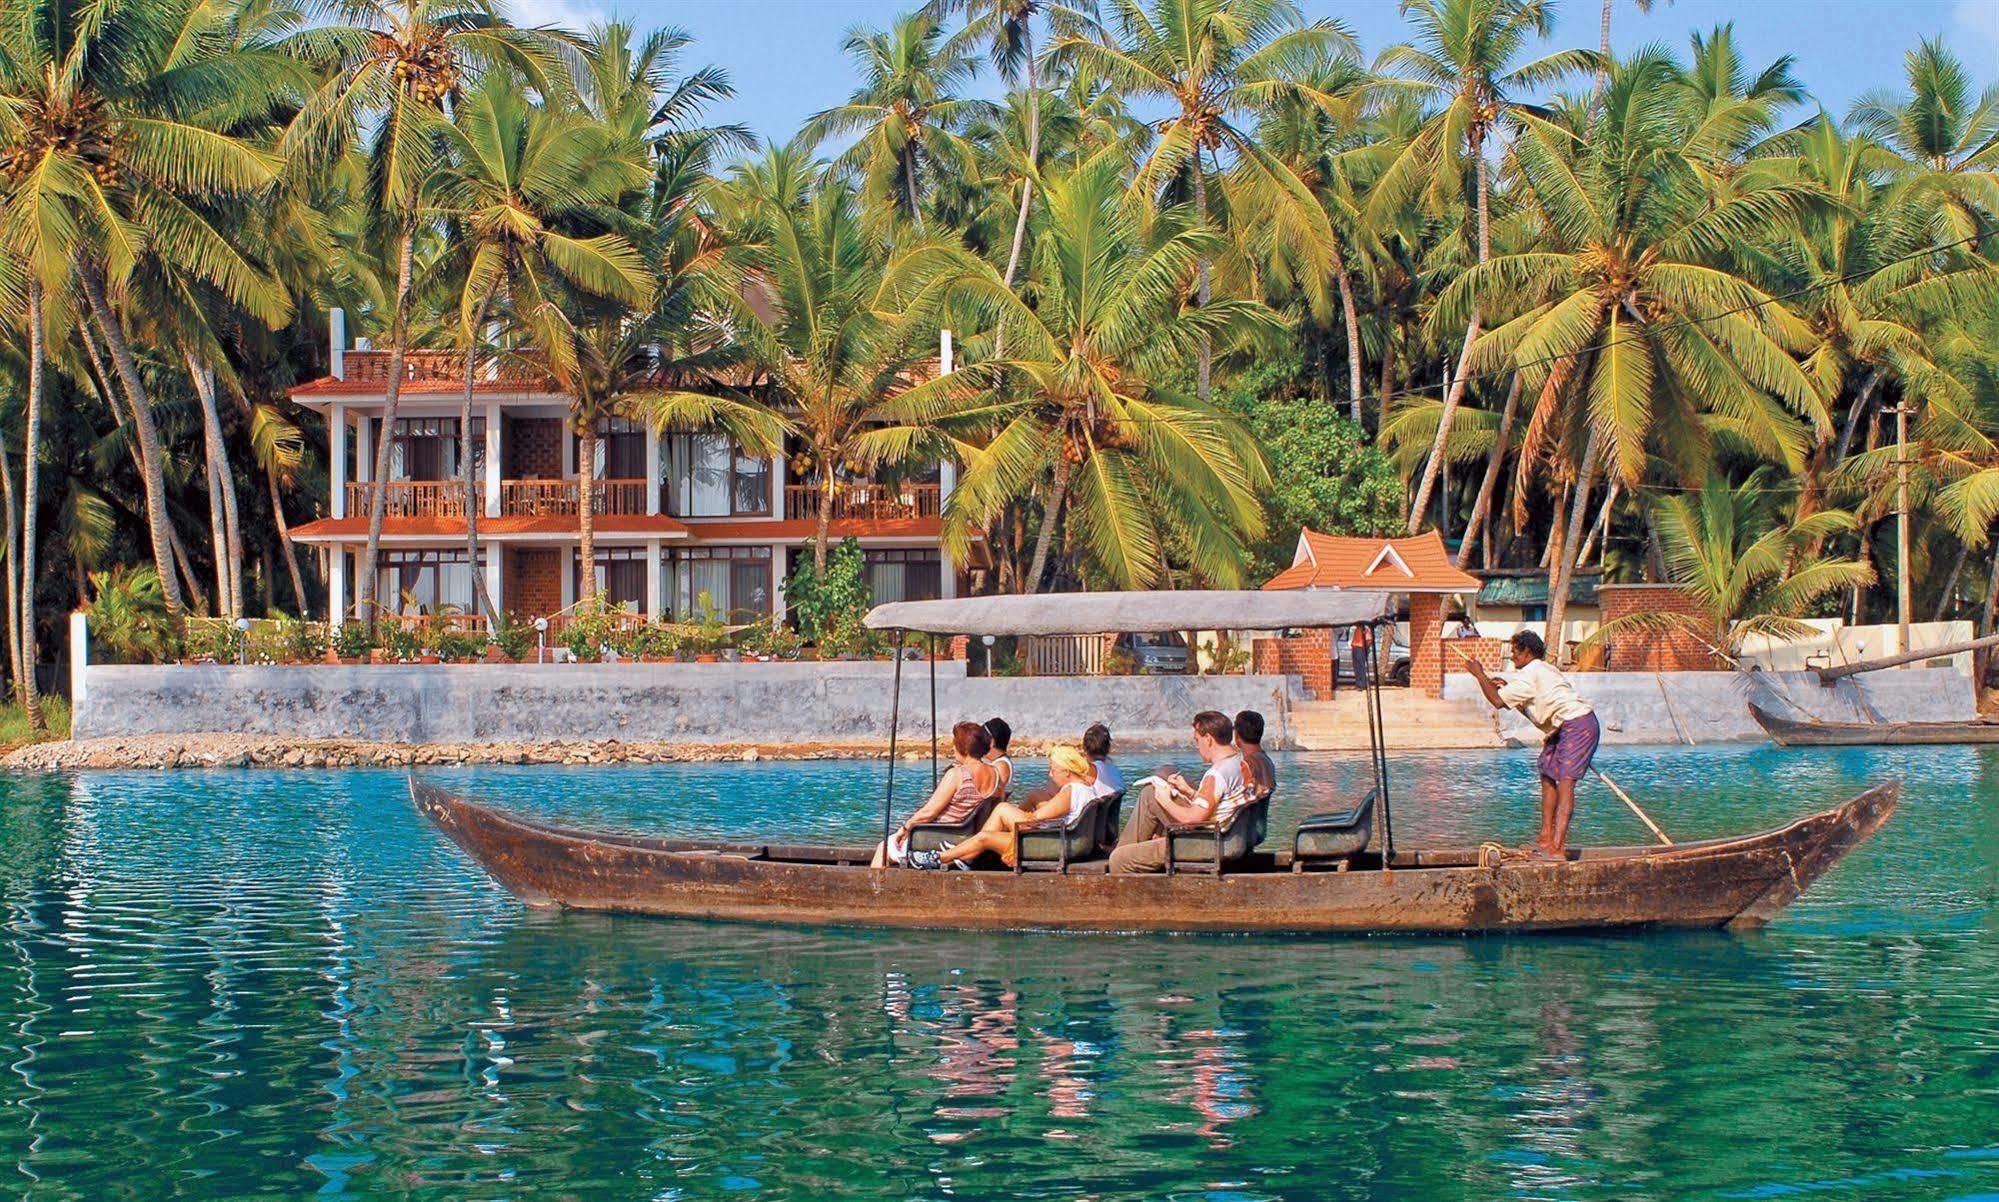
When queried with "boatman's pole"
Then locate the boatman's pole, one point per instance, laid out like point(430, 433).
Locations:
point(933, 711)
point(894, 713)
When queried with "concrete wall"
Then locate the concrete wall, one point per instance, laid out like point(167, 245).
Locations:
point(1713, 707)
point(693, 703)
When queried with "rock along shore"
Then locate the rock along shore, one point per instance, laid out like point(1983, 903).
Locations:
point(260, 751)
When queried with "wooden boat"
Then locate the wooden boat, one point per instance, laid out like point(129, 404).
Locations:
point(1787, 732)
point(1718, 883)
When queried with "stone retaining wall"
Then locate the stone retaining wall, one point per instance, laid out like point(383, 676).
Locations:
point(673, 703)
point(1713, 707)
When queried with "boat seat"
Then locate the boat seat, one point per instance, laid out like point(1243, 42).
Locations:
point(1212, 846)
point(1064, 842)
point(1333, 839)
point(934, 836)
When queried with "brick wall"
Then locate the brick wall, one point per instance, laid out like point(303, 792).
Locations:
point(1490, 654)
point(1426, 650)
point(1308, 655)
point(532, 449)
point(531, 581)
point(1669, 651)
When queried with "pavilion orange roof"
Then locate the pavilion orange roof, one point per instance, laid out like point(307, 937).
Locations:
point(1416, 564)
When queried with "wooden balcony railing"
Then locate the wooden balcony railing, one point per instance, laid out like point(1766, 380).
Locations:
point(869, 502)
point(432, 367)
point(446, 498)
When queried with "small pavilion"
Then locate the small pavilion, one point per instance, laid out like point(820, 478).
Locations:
point(1417, 567)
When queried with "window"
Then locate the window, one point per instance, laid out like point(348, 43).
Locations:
point(427, 448)
point(621, 577)
point(621, 449)
point(735, 579)
point(410, 582)
point(708, 476)
point(903, 575)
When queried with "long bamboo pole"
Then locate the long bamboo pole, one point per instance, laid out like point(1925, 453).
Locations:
point(1828, 675)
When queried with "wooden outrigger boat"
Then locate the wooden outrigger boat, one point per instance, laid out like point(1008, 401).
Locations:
point(1789, 732)
point(1330, 879)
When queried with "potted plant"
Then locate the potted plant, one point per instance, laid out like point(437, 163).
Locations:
point(401, 645)
point(511, 643)
point(709, 632)
point(354, 643)
point(657, 643)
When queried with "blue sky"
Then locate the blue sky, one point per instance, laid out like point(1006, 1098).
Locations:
point(784, 55)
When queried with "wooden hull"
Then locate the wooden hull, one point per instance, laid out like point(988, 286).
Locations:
point(1721, 882)
point(1786, 732)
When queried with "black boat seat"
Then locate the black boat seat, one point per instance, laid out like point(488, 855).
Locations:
point(1333, 839)
point(1064, 842)
point(1212, 846)
point(935, 836)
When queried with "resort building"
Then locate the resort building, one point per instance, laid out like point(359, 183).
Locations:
point(677, 516)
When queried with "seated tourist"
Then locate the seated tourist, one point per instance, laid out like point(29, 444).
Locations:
point(1167, 799)
point(1097, 745)
point(1258, 772)
point(968, 782)
point(1074, 786)
point(1002, 736)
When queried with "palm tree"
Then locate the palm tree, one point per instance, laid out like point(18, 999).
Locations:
point(1603, 48)
point(1215, 61)
point(122, 124)
point(1948, 139)
point(1083, 399)
point(905, 110)
point(1466, 54)
point(1743, 561)
point(392, 70)
point(838, 326)
point(1625, 329)
point(516, 178)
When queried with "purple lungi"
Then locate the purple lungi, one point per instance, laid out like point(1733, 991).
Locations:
point(1566, 754)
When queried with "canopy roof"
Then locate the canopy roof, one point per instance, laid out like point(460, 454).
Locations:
point(1135, 613)
point(1416, 564)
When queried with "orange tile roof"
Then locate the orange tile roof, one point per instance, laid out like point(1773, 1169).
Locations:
point(1417, 564)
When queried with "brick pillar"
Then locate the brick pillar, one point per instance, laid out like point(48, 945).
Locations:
point(1426, 649)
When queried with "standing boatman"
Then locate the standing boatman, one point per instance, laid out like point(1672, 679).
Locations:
point(1538, 690)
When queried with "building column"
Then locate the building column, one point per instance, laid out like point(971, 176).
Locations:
point(336, 451)
point(336, 585)
point(947, 574)
point(493, 467)
point(494, 575)
point(653, 611)
point(364, 450)
point(1426, 646)
point(566, 560)
point(652, 474)
point(777, 556)
point(780, 475)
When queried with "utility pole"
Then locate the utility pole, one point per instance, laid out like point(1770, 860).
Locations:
point(1902, 522)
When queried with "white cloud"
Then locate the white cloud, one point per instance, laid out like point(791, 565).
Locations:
point(571, 14)
point(1979, 20)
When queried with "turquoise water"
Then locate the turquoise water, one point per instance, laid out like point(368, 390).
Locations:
point(263, 984)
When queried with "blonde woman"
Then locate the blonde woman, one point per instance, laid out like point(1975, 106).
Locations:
point(1075, 782)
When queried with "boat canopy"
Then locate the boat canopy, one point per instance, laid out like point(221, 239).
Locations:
point(1135, 612)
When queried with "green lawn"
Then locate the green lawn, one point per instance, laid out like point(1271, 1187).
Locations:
point(14, 723)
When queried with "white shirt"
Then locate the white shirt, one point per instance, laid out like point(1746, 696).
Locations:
point(1542, 693)
point(1229, 789)
point(1109, 775)
point(1080, 794)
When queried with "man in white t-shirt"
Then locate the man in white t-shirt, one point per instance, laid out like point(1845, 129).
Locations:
point(1538, 690)
point(1171, 801)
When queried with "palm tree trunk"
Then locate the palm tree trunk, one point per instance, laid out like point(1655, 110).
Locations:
point(586, 513)
point(1456, 393)
point(1985, 619)
point(1603, 70)
point(1600, 528)
point(1949, 593)
point(159, 521)
point(1350, 312)
point(1481, 509)
point(31, 445)
point(1561, 568)
point(474, 499)
point(1203, 292)
point(1033, 162)
point(909, 186)
point(13, 519)
point(826, 482)
point(391, 397)
point(285, 541)
point(221, 494)
point(1050, 518)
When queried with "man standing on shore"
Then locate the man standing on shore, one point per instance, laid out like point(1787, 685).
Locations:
point(1539, 690)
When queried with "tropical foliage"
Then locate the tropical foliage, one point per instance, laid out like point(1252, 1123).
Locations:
point(1210, 273)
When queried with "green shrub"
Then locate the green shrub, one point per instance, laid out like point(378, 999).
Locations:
point(300, 641)
point(515, 639)
point(128, 615)
point(829, 608)
point(402, 644)
point(354, 641)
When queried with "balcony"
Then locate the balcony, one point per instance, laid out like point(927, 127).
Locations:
point(441, 367)
point(544, 498)
point(865, 502)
